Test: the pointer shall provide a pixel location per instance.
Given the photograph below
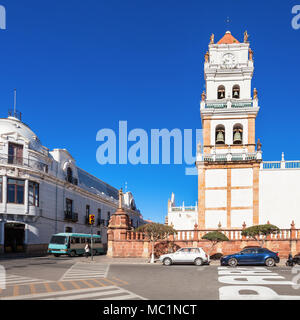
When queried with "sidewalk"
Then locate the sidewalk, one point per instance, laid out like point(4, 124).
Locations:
point(109, 260)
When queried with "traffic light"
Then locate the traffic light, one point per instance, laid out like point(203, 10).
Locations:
point(91, 219)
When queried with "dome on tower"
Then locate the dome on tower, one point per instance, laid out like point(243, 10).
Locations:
point(14, 125)
point(228, 39)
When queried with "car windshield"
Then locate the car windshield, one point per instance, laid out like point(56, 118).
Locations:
point(58, 240)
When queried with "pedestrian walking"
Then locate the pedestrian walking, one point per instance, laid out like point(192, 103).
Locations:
point(87, 250)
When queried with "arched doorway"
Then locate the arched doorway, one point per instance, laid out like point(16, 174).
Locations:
point(14, 237)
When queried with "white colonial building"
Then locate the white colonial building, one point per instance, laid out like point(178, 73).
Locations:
point(43, 192)
point(234, 184)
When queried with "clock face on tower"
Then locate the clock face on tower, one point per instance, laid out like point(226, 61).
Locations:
point(229, 61)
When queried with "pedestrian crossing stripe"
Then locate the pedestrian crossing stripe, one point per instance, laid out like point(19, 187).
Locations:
point(11, 280)
point(102, 293)
point(82, 270)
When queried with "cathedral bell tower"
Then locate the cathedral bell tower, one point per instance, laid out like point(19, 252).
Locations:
point(228, 162)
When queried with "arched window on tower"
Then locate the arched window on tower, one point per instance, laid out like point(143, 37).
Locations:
point(236, 91)
point(69, 175)
point(220, 134)
point(221, 92)
point(238, 134)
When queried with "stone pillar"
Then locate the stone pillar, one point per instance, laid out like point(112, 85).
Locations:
point(4, 194)
point(201, 196)
point(26, 195)
point(293, 241)
point(293, 230)
point(117, 228)
point(256, 167)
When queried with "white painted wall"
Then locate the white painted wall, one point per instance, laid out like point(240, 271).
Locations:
point(279, 197)
point(242, 198)
point(182, 220)
point(215, 198)
point(242, 177)
point(238, 217)
point(216, 178)
point(213, 217)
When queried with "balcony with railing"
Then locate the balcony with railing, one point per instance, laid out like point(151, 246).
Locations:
point(229, 103)
point(184, 209)
point(71, 216)
point(283, 164)
point(72, 180)
point(269, 165)
point(23, 162)
point(228, 157)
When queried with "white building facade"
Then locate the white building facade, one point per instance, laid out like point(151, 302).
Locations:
point(235, 186)
point(43, 192)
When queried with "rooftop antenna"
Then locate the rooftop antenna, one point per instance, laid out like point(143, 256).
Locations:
point(15, 102)
point(228, 23)
point(15, 113)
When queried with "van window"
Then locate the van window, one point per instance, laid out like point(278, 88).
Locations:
point(58, 240)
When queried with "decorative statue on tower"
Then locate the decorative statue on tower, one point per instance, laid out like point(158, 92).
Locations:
point(250, 54)
point(246, 36)
point(212, 38)
point(203, 96)
point(255, 94)
point(206, 56)
point(259, 145)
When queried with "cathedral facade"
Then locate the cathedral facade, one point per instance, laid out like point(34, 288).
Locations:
point(235, 186)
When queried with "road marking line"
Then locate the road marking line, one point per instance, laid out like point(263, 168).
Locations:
point(125, 282)
point(49, 294)
point(63, 288)
point(107, 270)
point(109, 281)
point(48, 288)
point(97, 281)
point(88, 284)
point(124, 297)
point(16, 291)
point(89, 295)
point(32, 289)
point(75, 285)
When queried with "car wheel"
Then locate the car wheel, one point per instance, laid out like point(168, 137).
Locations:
point(167, 262)
point(198, 262)
point(232, 262)
point(73, 253)
point(270, 262)
point(56, 255)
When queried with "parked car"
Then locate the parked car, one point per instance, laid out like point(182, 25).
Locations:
point(196, 256)
point(254, 255)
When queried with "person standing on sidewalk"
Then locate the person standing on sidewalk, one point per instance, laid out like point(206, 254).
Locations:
point(87, 250)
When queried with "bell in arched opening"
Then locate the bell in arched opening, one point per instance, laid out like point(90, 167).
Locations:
point(221, 92)
point(236, 92)
point(237, 136)
point(220, 137)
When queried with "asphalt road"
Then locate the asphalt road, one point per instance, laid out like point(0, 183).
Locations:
point(80, 279)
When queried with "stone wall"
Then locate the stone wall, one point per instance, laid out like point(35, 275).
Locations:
point(125, 243)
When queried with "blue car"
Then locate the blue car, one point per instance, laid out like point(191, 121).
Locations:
point(255, 255)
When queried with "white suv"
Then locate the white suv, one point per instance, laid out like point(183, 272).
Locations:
point(186, 255)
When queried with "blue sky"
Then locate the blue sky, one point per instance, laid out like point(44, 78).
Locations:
point(80, 66)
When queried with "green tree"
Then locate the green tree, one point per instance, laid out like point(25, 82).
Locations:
point(260, 232)
point(155, 232)
point(214, 237)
